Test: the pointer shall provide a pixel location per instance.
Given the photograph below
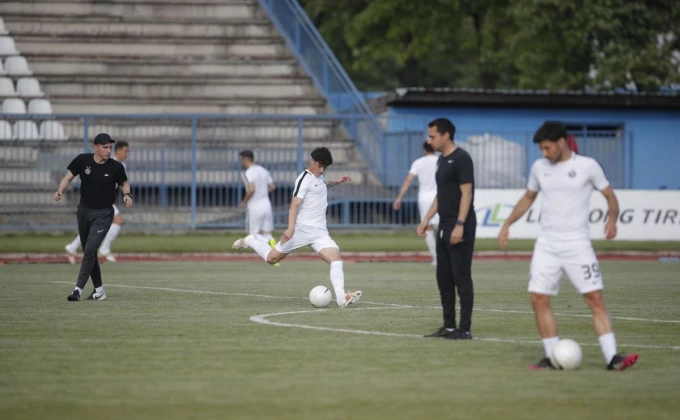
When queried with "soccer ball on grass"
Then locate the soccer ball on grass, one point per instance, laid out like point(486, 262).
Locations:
point(566, 354)
point(320, 297)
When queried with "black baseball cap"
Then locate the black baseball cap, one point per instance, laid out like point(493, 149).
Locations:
point(103, 138)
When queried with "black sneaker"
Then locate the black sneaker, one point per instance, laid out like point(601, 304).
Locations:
point(460, 335)
point(74, 297)
point(622, 361)
point(441, 332)
point(543, 364)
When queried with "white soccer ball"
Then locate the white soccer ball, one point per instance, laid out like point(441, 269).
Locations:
point(566, 354)
point(320, 296)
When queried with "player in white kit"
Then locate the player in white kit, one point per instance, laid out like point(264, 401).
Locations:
point(307, 225)
point(566, 180)
point(424, 168)
point(259, 183)
point(121, 154)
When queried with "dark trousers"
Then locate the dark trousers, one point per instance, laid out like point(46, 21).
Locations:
point(454, 273)
point(93, 225)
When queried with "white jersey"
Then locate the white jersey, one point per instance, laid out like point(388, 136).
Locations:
point(424, 168)
point(314, 194)
point(260, 178)
point(566, 188)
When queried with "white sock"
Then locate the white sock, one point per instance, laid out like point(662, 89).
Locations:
point(262, 248)
point(110, 237)
point(431, 242)
point(80, 291)
point(99, 289)
point(608, 345)
point(262, 238)
point(338, 280)
point(75, 244)
point(548, 344)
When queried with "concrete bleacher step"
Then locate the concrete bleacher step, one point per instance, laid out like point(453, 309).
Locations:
point(43, 67)
point(84, 105)
point(184, 30)
point(185, 10)
point(260, 47)
point(183, 81)
point(163, 90)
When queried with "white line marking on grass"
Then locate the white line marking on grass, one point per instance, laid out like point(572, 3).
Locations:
point(262, 319)
point(391, 305)
point(168, 289)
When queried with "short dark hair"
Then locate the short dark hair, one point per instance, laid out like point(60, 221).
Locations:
point(551, 130)
point(323, 156)
point(248, 154)
point(120, 144)
point(444, 125)
point(428, 147)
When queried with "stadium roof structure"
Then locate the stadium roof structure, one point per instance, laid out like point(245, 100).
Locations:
point(451, 97)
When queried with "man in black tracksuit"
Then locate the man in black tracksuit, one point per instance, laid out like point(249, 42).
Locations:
point(99, 176)
point(457, 228)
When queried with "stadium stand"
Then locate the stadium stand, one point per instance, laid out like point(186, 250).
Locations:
point(13, 106)
point(26, 130)
point(39, 107)
point(7, 46)
point(162, 57)
point(17, 66)
point(7, 88)
point(29, 87)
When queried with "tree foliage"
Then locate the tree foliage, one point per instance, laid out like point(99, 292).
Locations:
point(492, 44)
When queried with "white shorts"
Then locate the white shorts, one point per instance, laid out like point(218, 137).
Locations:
point(317, 238)
point(116, 212)
point(424, 204)
point(552, 258)
point(260, 219)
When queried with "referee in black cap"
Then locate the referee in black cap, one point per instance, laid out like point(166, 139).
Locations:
point(457, 228)
point(99, 176)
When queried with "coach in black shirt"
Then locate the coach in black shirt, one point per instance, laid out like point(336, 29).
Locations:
point(99, 176)
point(457, 227)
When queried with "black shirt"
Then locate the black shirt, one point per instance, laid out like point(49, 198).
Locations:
point(452, 171)
point(97, 181)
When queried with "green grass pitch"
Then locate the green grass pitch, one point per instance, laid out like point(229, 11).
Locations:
point(402, 240)
point(178, 341)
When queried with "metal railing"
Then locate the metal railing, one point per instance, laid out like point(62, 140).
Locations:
point(185, 171)
point(328, 75)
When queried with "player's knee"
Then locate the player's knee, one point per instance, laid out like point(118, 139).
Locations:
point(273, 258)
point(594, 299)
point(539, 301)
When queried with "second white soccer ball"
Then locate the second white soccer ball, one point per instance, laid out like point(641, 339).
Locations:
point(566, 354)
point(320, 296)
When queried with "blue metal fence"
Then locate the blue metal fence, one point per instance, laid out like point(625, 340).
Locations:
point(185, 171)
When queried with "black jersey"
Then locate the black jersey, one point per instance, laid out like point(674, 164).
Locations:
point(452, 171)
point(97, 181)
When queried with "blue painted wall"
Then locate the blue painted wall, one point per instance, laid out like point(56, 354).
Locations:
point(654, 146)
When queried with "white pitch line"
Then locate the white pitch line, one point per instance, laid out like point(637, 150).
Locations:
point(167, 289)
point(262, 319)
point(394, 305)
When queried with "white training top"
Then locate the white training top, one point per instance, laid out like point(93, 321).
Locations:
point(424, 168)
point(260, 178)
point(124, 167)
point(314, 192)
point(566, 188)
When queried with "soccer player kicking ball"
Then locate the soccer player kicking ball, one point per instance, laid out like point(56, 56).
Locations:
point(307, 225)
point(567, 181)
